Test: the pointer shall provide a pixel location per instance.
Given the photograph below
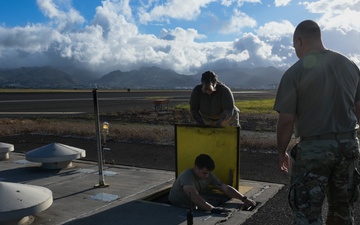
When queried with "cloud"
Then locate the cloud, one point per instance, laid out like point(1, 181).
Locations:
point(338, 20)
point(239, 3)
point(238, 21)
point(279, 3)
point(340, 15)
point(260, 52)
point(275, 30)
point(62, 19)
point(32, 38)
point(176, 9)
point(111, 41)
point(115, 39)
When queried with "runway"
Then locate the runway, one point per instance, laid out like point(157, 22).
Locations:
point(82, 102)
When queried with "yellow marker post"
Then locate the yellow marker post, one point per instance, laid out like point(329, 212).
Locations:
point(221, 144)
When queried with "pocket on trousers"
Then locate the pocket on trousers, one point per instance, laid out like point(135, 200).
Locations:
point(355, 186)
point(351, 153)
point(298, 196)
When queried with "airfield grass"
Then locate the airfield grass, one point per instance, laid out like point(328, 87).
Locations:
point(257, 119)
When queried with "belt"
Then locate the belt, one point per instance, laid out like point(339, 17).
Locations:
point(334, 136)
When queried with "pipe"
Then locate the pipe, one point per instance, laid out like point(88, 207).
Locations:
point(98, 142)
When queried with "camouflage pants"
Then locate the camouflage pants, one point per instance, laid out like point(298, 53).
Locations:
point(324, 168)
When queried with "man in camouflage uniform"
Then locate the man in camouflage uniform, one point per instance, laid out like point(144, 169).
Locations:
point(320, 96)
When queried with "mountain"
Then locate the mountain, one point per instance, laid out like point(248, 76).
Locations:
point(36, 77)
point(146, 78)
point(142, 78)
point(154, 77)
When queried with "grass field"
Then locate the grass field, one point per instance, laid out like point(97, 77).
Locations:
point(259, 106)
point(263, 106)
point(147, 126)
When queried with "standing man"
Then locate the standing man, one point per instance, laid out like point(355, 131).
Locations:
point(212, 103)
point(193, 182)
point(320, 94)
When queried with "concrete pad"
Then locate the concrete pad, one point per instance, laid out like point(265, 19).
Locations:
point(76, 201)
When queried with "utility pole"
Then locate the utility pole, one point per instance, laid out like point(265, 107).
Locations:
point(98, 142)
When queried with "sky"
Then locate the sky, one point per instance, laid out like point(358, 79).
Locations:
point(187, 36)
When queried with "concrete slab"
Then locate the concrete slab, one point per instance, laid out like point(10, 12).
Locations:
point(77, 201)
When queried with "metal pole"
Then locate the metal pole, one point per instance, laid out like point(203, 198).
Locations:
point(98, 142)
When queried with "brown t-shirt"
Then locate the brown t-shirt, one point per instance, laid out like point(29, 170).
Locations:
point(212, 107)
point(321, 90)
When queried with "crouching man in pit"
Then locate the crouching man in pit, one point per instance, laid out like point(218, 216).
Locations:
point(188, 187)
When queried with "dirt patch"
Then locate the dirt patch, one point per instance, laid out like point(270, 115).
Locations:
point(250, 122)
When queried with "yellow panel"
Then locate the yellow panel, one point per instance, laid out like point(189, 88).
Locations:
point(244, 189)
point(221, 144)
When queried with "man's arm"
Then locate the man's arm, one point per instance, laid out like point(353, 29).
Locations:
point(194, 106)
point(227, 104)
point(191, 191)
point(225, 117)
point(197, 116)
point(284, 132)
point(233, 193)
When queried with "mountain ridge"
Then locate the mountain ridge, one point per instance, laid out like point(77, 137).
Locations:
point(142, 78)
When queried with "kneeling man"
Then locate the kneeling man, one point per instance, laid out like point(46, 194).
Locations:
point(188, 186)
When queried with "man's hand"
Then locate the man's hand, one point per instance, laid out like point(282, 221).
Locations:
point(249, 202)
point(284, 162)
point(220, 210)
point(284, 132)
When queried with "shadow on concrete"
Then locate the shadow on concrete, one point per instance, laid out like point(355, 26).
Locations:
point(137, 212)
point(27, 174)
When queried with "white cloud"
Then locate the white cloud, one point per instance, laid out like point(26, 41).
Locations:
point(112, 42)
point(260, 52)
point(275, 30)
point(111, 18)
point(182, 35)
point(176, 9)
point(113, 39)
point(338, 20)
point(344, 22)
point(279, 36)
point(227, 3)
point(238, 57)
point(32, 38)
point(238, 2)
point(341, 15)
point(118, 7)
point(242, 2)
point(238, 21)
point(62, 19)
point(279, 3)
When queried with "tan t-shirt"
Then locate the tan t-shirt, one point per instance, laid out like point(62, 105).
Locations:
point(212, 107)
point(177, 195)
point(321, 90)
